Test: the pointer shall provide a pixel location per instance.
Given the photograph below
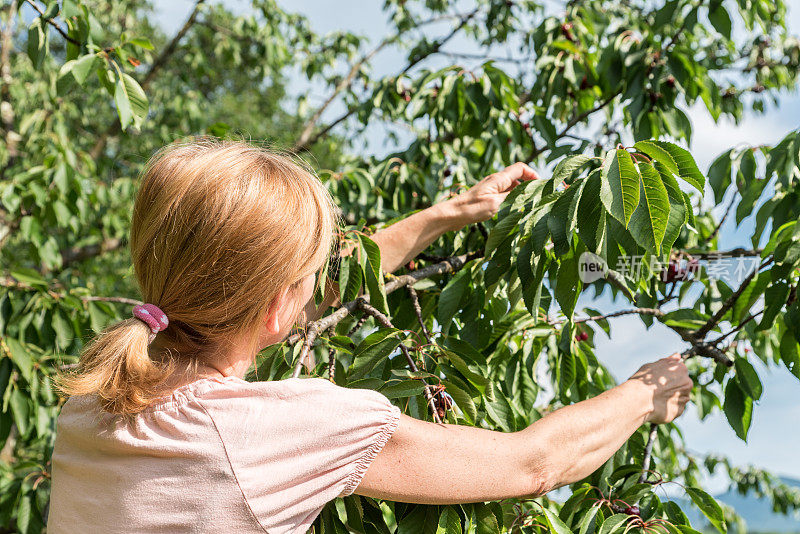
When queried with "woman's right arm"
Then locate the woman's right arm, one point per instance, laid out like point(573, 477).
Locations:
point(447, 464)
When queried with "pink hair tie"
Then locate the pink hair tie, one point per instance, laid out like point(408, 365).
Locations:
point(152, 317)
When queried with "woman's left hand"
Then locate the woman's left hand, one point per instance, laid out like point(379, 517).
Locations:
point(482, 201)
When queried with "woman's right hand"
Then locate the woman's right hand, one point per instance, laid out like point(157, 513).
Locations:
point(669, 384)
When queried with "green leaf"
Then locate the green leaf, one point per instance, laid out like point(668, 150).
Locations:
point(371, 262)
point(21, 358)
point(29, 276)
point(677, 208)
point(615, 523)
point(479, 381)
point(591, 215)
point(738, 408)
point(374, 348)
point(659, 154)
point(20, 409)
point(619, 190)
point(406, 388)
point(132, 105)
point(790, 353)
point(37, 43)
point(351, 278)
point(685, 318)
point(463, 400)
point(452, 296)
point(720, 19)
point(648, 223)
point(719, 175)
point(556, 525)
point(710, 507)
point(449, 522)
point(687, 168)
point(83, 66)
point(563, 217)
point(566, 371)
point(588, 520)
point(63, 328)
point(500, 231)
point(567, 167)
point(141, 43)
point(486, 520)
point(568, 285)
point(748, 378)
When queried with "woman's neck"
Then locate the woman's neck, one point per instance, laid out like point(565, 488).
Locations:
point(229, 359)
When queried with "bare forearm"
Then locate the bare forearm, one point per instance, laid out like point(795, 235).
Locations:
point(579, 438)
point(403, 240)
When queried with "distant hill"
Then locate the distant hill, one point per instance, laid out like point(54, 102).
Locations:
point(757, 512)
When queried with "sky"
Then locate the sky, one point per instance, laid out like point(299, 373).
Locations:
point(772, 439)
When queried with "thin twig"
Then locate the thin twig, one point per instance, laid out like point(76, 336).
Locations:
point(729, 303)
point(655, 312)
point(734, 330)
point(418, 312)
point(119, 300)
point(386, 323)
point(358, 325)
point(571, 123)
point(723, 219)
point(648, 451)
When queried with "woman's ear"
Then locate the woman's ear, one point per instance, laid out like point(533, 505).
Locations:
point(276, 311)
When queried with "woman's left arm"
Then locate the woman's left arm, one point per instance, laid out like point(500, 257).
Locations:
point(403, 240)
point(406, 238)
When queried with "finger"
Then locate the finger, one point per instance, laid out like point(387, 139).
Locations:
point(514, 174)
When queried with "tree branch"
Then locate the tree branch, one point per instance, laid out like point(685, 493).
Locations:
point(733, 253)
point(75, 254)
point(115, 128)
point(313, 328)
point(303, 140)
point(58, 28)
point(386, 323)
point(648, 451)
point(12, 283)
point(311, 139)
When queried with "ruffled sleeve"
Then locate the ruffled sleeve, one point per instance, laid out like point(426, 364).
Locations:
point(296, 444)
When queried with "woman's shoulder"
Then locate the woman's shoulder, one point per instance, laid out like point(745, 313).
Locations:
point(311, 389)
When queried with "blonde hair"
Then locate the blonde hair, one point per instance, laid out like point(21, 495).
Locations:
point(219, 229)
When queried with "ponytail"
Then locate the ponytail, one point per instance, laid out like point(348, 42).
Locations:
point(117, 367)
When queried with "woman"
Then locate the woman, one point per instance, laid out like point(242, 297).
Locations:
point(162, 434)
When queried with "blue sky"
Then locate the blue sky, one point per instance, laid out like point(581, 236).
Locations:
point(772, 436)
